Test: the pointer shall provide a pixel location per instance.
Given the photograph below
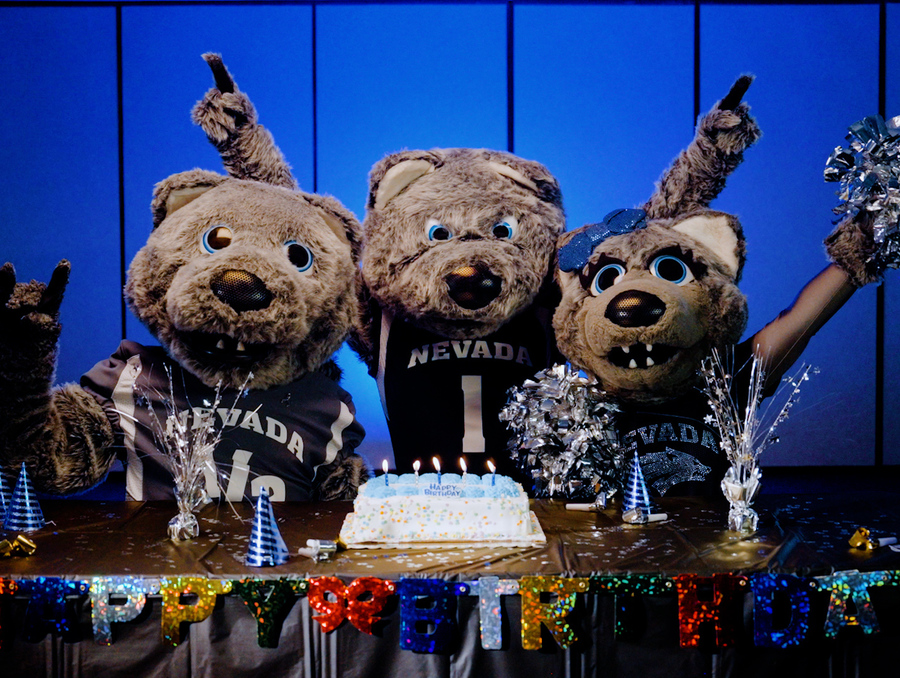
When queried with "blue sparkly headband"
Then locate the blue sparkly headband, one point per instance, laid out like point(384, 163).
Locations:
point(574, 255)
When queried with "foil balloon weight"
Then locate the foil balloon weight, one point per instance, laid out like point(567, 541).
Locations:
point(267, 548)
point(636, 502)
point(23, 513)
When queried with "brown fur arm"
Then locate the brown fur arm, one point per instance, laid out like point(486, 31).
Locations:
point(364, 335)
point(851, 246)
point(229, 120)
point(341, 479)
point(62, 435)
point(699, 172)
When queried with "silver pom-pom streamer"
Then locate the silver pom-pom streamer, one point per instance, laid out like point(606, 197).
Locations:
point(868, 170)
point(746, 432)
point(563, 435)
point(188, 450)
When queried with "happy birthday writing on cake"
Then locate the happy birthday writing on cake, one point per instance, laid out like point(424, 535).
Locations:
point(439, 490)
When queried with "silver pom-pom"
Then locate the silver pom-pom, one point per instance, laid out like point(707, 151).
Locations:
point(563, 435)
point(869, 173)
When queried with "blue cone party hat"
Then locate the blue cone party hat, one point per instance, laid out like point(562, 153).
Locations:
point(636, 495)
point(267, 548)
point(4, 496)
point(23, 513)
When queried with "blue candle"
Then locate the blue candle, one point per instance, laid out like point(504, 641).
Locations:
point(384, 467)
point(437, 467)
point(493, 470)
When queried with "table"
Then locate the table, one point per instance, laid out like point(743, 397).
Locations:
point(802, 535)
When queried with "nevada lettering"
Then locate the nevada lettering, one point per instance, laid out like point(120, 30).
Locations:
point(250, 420)
point(666, 432)
point(468, 349)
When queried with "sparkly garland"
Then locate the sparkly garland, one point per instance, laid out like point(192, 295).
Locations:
point(781, 605)
point(563, 435)
point(869, 174)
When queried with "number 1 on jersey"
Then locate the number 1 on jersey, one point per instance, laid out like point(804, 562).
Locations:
point(473, 438)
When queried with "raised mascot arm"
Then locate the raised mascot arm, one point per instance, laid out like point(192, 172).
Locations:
point(63, 435)
point(229, 120)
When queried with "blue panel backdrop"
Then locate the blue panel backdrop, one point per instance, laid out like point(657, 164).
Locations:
point(603, 95)
point(599, 112)
point(811, 83)
point(269, 53)
point(892, 280)
point(395, 77)
point(59, 172)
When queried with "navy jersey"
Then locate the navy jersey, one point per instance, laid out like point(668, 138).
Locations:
point(678, 441)
point(275, 438)
point(442, 397)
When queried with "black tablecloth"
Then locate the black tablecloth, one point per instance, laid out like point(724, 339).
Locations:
point(804, 535)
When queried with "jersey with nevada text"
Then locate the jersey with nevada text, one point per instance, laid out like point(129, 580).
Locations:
point(274, 438)
point(678, 442)
point(442, 397)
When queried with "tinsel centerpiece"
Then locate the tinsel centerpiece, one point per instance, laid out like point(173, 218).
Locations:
point(869, 174)
point(188, 447)
point(745, 434)
point(563, 435)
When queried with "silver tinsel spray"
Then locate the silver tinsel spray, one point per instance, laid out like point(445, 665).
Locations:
point(745, 434)
point(563, 435)
point(188, 449)
point(869, 173)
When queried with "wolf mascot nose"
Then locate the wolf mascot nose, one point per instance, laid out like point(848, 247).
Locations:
point(473, 287)
point(635, 309)
point(241, 290)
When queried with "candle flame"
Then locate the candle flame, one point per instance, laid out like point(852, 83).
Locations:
point(384, 465)
point(462, 465)
point(437, 464)
point(491, 467)
point(416, 466)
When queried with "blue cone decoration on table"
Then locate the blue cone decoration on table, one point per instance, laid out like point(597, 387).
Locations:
point(267, 548)
point(23, 513)
point(636, 495)
point(4, 496)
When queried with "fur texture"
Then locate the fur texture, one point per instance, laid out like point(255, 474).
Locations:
point(851, 246)
point(468, 193)
point(171, 283)
point(230, 122)
point(635, 317)
point(239, 276)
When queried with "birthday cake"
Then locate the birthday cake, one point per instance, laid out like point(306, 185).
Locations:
point(410, 510)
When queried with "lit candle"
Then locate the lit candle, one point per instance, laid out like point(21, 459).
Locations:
point(416, 466)
point(384, 467)
point(493, 470)
point(437, 467)
point(462, 465)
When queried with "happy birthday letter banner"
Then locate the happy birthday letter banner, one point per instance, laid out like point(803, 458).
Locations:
point(709, 607)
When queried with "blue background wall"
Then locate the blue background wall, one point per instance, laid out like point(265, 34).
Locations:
point(97, 101)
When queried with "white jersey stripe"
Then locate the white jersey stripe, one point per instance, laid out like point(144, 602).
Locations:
point(123, 399)
point(345, 418)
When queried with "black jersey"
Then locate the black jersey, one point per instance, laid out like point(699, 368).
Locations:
point(275, 438)
point(442, 397)
point(678, 442)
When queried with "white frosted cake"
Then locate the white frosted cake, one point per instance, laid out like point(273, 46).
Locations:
point(408, 510)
